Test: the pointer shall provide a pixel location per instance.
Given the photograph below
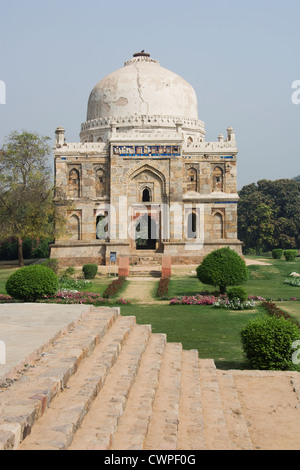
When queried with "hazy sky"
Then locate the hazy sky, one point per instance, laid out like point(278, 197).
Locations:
point(240, 56)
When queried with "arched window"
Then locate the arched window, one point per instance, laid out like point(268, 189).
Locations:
point(74, 227)
point(192, 226)
point(218, 179)
point(146, 197)
point(100, 183)
point(218, 226)
point(74, 183)
point(192, 179)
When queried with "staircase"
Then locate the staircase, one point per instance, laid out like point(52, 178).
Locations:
point(110, 383)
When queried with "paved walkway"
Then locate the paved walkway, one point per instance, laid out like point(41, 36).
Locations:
point(25, 328)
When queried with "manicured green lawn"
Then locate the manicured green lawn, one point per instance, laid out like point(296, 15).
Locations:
point(264, 281)
point(215, 333)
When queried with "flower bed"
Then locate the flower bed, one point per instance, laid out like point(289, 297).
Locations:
point(114, 287)
point(6, 299)
point(74, 297)
point(235, 304)
point(194, 300)
point(163, 287)
point(272, 309)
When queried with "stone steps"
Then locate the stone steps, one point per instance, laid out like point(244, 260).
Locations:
point(116, 385)
point(144, 273)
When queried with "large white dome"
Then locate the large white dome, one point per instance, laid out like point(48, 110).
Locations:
point(142, 87)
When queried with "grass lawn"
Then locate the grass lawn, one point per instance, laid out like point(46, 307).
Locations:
point(293, 308)
point(215, 333)
point(264, 281)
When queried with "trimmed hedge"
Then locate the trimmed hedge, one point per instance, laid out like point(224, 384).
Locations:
point(290, 255)
point(90, 271)
point(32, 283)
point(237, 293)
point(277, 253)
point(267, 343)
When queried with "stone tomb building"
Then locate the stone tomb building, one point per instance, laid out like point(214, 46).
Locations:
point(142, 180)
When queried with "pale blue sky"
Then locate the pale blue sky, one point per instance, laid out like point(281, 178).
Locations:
point(240, 57)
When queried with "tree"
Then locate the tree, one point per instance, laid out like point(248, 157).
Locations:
point(222, 268)
point(269, 215)
point(27, 190)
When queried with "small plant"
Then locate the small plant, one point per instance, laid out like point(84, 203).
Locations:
point(234, 304)
point(267, 343)
point(292, 281)
point(90, 271)
point(290, 255)
point(31, 283)
point(237, 293)
point(277, 253)
point(51, 263)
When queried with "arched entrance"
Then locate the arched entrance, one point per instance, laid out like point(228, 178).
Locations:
point(146, 233)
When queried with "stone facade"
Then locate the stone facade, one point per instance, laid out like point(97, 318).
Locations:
point(145, 182)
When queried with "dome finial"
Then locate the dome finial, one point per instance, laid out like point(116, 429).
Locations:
point(141, 54)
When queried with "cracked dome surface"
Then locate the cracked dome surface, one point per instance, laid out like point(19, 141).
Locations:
point(142, 87)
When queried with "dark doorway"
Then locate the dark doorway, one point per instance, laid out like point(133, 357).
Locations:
point(146, 233)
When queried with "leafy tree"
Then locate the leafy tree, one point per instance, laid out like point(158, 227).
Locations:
point(269, 215)
point(26, 190)
point(222, 268)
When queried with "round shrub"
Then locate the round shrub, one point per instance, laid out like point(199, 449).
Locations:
point(222, 268)
point(90, 271)
point(267, 343)
point(237, 293)
point(290, 255)
point(31, 283)
point(277, 253)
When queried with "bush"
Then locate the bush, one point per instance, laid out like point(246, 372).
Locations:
point(51, 263)
point(163, 287)
point(114, 287)
point(290, 255)
point(267, 343)
point(90, 271)
point(237, 293)
point(277, 253)
point(222, 268)
point(31, 283)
